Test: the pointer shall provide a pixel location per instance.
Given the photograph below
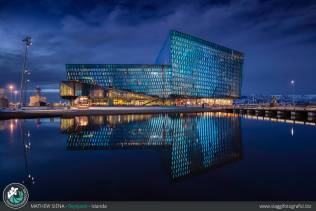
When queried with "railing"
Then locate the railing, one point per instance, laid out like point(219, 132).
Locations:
point(268, 107)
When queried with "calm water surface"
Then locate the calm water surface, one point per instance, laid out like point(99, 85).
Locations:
point(208, 156)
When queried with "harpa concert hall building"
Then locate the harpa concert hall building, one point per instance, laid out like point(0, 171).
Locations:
point(187, 71)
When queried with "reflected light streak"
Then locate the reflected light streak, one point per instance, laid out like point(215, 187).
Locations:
point(11, 127)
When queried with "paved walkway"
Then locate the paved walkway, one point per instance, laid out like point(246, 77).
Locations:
point(46, 112)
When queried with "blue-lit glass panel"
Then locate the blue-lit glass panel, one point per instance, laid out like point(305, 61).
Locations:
point(204, 69)
point(153, 80)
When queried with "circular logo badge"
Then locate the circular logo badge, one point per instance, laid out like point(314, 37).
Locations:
point(15, 195)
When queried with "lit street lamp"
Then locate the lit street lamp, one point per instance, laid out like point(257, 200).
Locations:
point(11, 88)
point(293, 91)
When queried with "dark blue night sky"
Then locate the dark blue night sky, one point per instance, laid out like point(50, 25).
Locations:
point(278, 37)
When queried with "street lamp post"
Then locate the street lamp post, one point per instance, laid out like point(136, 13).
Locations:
point(25, 71)
point(293, 91)
point(11, 88)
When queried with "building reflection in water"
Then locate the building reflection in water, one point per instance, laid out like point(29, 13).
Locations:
point(189, 143)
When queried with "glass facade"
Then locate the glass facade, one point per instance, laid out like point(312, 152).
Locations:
point(187, 67)
point(152, 80)
point(200, 68)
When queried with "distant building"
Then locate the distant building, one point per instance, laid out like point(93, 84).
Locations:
point(188, 71)
point(4, 102)
point(37, 99)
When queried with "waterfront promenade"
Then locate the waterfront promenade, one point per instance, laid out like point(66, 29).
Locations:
point(62, 112)
point(262, 110)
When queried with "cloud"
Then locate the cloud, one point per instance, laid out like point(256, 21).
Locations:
point(277, 37)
